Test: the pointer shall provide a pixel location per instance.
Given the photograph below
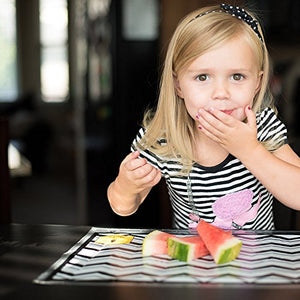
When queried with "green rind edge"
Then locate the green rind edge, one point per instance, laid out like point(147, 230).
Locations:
point(178, 250)
point(229, 254)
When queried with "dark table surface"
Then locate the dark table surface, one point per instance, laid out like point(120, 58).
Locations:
point(28, 250)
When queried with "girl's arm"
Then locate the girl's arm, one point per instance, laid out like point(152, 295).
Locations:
point(135, 179)
point(278, 171)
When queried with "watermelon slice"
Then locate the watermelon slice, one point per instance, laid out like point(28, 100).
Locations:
point(155, 243)
point(222, 245)
point(186, 248)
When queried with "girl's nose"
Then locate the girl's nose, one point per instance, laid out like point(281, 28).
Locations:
point(220, 91)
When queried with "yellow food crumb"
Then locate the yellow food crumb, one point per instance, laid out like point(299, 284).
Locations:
point(114, 239)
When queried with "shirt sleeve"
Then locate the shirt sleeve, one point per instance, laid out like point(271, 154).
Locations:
point(270, 128)
point(145, 153)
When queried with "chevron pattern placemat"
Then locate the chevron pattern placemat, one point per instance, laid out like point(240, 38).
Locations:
point(265, 258)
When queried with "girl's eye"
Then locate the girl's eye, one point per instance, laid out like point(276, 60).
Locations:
point(237, 77)
point(202, 77)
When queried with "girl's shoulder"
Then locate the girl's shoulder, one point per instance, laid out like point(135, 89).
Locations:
point(267, 117)
point(140, 143)
point(269, 126)
point(142, 132)
point(267, 111)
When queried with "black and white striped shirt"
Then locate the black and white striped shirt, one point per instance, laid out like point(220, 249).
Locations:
point(210, 183)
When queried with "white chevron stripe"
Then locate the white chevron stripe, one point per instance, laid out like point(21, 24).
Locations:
point(116, 261)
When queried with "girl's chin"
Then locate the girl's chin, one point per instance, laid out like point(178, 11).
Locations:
point(238, 114)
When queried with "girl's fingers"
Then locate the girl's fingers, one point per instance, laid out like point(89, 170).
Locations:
point(210, 133)
point(217, 118)
point(138, 172)
point(147, 178)
point(157, 178)
point(209, 124)
point(140, 167)
point(131, 156)
point(251, 117)
point(152, 177)
point(132, 161)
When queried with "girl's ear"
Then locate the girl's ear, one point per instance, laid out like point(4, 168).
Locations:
point(259, 80)
point(177, 86)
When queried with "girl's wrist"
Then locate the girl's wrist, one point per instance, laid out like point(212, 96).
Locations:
point(254, 155)
point(121, 203)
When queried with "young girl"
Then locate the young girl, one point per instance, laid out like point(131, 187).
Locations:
point(214, 136)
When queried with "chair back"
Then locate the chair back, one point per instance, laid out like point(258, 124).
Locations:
point(5, 205)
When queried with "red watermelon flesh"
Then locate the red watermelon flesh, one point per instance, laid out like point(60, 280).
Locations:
point(155, 243)
point(186, 248)
point(222, 245)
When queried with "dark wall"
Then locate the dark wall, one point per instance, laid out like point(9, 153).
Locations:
point(135, 79)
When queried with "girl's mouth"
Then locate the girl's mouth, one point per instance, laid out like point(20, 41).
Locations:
point(227, 111)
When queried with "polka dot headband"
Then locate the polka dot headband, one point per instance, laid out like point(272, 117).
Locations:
point(237, 12)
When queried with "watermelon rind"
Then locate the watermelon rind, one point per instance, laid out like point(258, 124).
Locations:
point(180, 250)
point(228, 251)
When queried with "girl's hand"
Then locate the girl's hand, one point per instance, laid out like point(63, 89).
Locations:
point(136, 175)
point(237, 137)
point(135, 179)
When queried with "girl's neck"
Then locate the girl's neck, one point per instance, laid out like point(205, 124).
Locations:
point(208, 153)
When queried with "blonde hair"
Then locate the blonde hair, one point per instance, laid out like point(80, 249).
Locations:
point(193, 37)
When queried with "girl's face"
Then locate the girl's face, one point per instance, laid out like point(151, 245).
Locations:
point(226, 78)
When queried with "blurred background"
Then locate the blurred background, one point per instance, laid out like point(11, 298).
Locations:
point(75, 79)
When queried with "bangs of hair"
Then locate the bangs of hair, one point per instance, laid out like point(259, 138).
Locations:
point(208, 32)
